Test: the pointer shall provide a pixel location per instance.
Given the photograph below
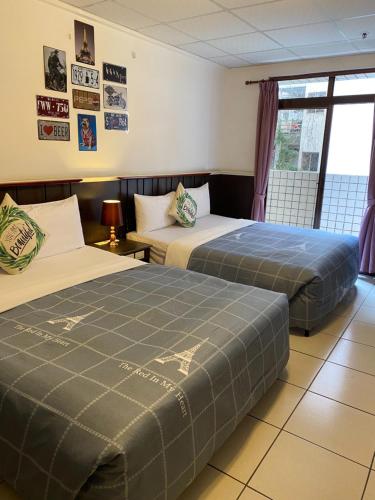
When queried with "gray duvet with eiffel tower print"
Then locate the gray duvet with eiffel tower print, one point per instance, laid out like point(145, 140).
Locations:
point(123, 387)
point(314, 268)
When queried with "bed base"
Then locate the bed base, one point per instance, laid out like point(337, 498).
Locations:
point(307, 333)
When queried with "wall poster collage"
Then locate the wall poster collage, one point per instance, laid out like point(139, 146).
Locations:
point(115, 98)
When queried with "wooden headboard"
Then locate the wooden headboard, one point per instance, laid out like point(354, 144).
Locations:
point(91, 194)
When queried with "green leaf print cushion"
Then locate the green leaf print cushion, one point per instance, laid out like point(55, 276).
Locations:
point(184, 208)
point(20, 237)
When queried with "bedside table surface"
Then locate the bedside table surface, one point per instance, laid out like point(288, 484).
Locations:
point(124, 247)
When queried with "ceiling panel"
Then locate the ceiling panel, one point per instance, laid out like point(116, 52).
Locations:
point(340, 9)
point(324, 50)
point(82, 3)
point(221, 24)
point(253, 42)
point(307, 35)
point(353, 28)
point(230, 61)
point(202, 49)
point(269, 56)
point(239, 32)
point(232, 4)
point(167, 34)
point(121, 15)
point(367, 45)
point(282, 14)
point(171, 10)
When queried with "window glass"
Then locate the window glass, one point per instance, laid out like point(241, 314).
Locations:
point(309, 87)
point(360, 83)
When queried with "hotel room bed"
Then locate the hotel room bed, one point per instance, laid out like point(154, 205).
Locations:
point(119, 380)
point(314, 268)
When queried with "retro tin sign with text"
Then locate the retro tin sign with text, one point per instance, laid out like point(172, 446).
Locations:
point(52, 106)
point(83, 99)
point(115, 121)
point(86, 77)
point(53, 131)
point(113, 73)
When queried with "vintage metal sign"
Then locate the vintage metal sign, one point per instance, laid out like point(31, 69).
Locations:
point(83, 99)
point(86, 77)
point(53, 131)
point(115, 121)
point(52, 106)
point(113, 73)
point(115, 97)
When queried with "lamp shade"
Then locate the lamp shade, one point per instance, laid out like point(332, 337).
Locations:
point(111, 213)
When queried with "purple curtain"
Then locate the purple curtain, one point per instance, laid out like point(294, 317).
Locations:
point(266, 129)
point(367, 232)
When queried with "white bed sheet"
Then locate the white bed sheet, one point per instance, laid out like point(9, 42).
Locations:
point(173, 245)
point(52, 274)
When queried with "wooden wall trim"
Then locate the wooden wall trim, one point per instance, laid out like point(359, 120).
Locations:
point(50, 182)
point(164, 176)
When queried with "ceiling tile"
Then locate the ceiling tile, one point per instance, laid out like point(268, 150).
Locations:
point(307, 35)
point(166, 34)
point(120, 15)
point(324, 50)
point(253, 42)
point(232, 4)
point(269, 56)
point(221, 24)
point(353, 28)
point(171, 10)
point(202, 49)
point(282, 14)
point(339, 9)
point(82, 3)
point(367, 45)
point(230, 61)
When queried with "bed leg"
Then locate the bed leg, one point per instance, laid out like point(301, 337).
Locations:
point(307, 333)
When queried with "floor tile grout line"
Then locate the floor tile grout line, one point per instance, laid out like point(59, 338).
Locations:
point(345, 404)
point(227, 474)
point(287, 420)
point(368, 477)
point(351, 368)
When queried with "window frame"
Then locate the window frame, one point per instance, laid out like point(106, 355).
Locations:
point(328, 102)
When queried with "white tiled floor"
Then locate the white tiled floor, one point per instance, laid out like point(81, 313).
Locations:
point(313, 435)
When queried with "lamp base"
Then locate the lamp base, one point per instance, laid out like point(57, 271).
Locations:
point(112, 238)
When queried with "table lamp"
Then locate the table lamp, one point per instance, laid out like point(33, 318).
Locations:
point(112, 216)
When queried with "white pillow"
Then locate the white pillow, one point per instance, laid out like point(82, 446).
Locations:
point(202, 197)
point(151, 212)
point(61, 221)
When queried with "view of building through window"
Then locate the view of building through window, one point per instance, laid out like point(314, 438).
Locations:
point(294, 177)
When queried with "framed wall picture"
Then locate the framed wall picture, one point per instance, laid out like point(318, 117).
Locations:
point(49, 130)
point(83, 99)
point(84, 43)
point(54, 69)
point(52, 106)
point(113, 73)
point(85, 77)
point(87, 139)
point(115, 97)
point(116, 121)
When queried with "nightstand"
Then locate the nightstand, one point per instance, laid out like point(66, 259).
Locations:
point(126, 247)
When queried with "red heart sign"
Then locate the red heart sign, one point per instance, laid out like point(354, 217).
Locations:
point(48, 129)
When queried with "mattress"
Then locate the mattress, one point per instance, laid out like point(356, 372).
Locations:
point(123, 385)
point(160, 239)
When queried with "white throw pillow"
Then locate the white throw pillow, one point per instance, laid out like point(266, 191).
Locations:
point(61, 221)
point(202, 197)
point(151, 212)
point(184, 208)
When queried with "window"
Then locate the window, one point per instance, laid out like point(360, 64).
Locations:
point(310, 161)
point(297, 89)
point(357, 84)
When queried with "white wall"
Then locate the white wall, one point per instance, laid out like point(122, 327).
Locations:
point(173, 97)
point(237, 144)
